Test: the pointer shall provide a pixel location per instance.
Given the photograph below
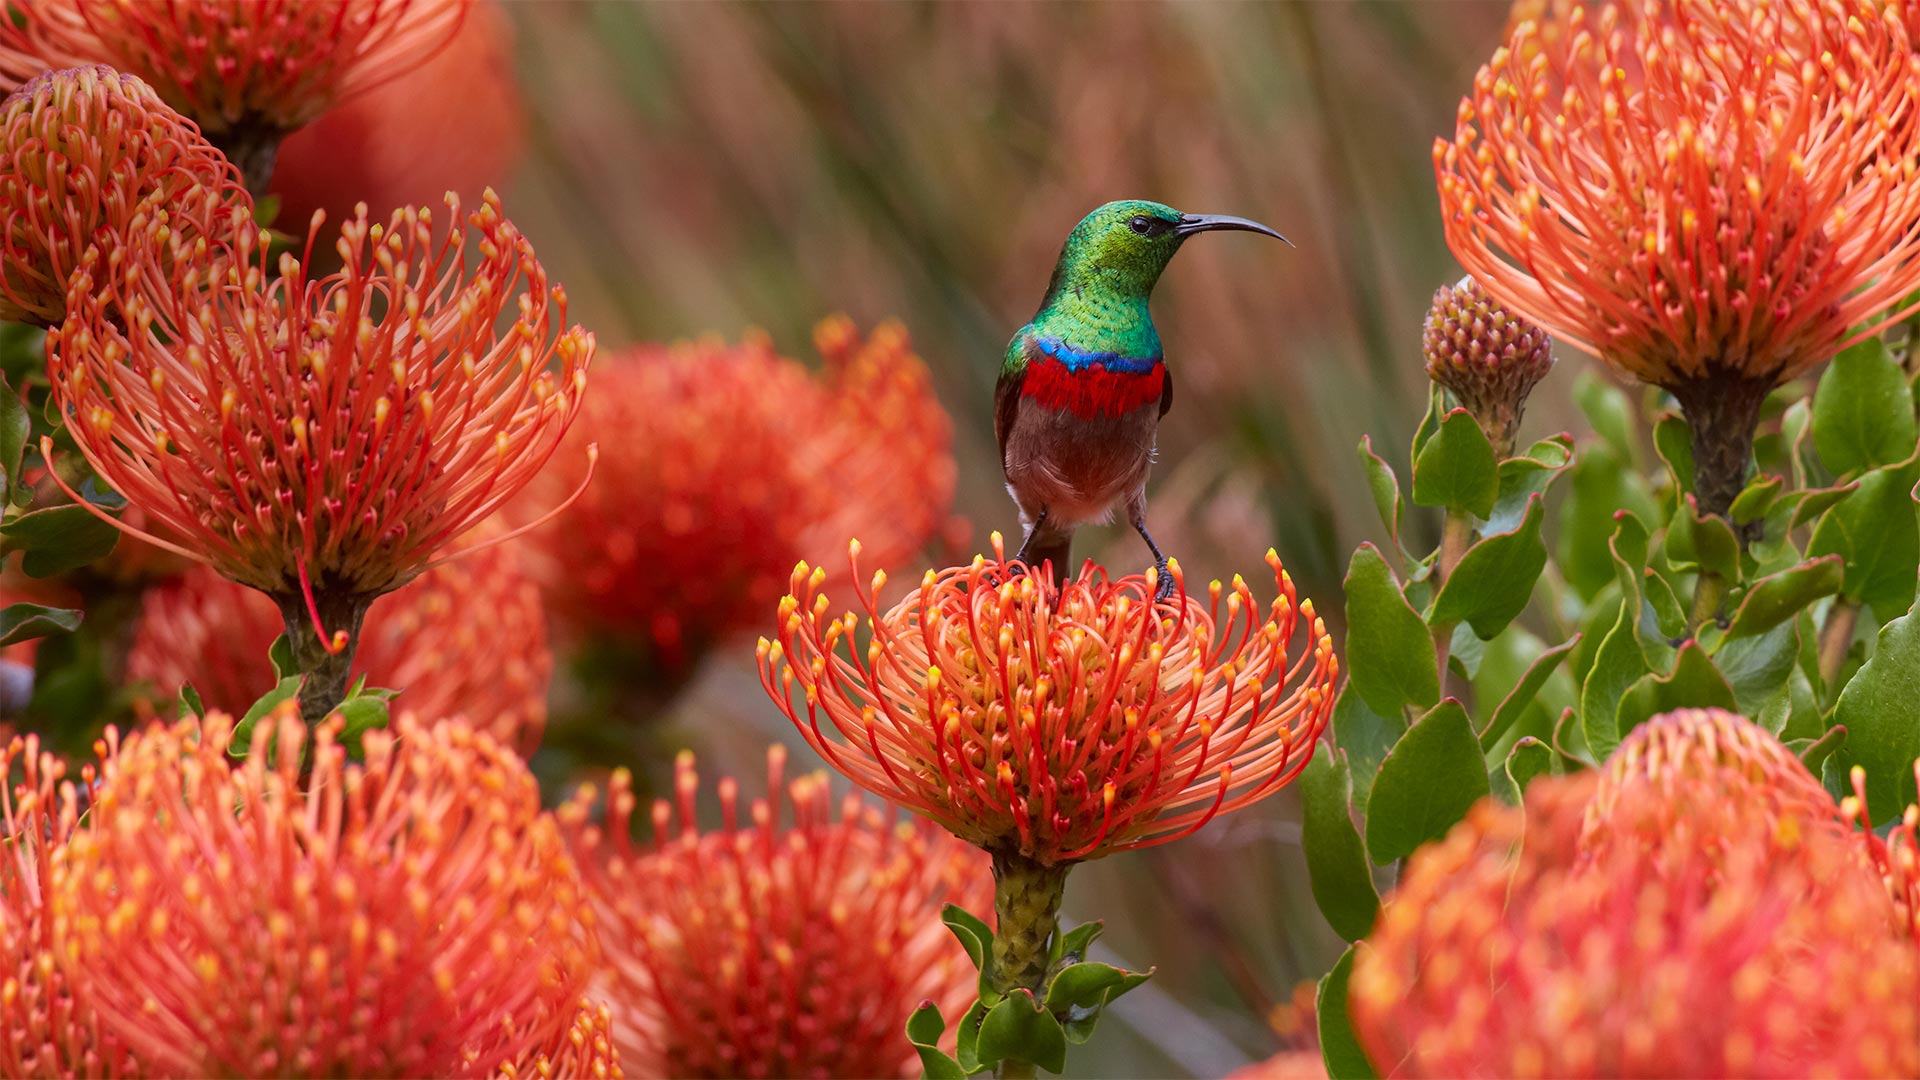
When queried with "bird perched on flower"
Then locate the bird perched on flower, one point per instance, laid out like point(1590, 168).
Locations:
point(1084, 385)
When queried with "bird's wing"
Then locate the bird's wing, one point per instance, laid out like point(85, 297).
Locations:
point(1006, 392)
point(1166, 389)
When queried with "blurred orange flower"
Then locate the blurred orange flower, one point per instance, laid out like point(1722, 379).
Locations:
point(769, 947)
point(585, 1050)
point(466, 640)
point(417, 915)
point(84, 155)
point(47, 1032)
point(1580, 936)
point(1057, 724)
point(452, 122)
point(720, 466)
point(1690, 190)
point(247, 71)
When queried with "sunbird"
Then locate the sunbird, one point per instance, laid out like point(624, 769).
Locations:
point(1084, 385)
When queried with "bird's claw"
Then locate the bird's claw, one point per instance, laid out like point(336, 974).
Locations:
point(1164, 589)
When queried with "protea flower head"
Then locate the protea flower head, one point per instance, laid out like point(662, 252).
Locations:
point(87, 151)
point(585, 1050)
point(247, 72)
point(321, 439)
point(1897, 856)
point(1057, 724)
point(454, 121)
point(720, 466)
point(1711, 196)
point(48, 1032)
point(1486, 356)
point(1514, 947)
point(787, 942)
point(465, 640)
point(417, 915)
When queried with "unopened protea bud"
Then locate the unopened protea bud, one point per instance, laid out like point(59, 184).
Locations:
point(1488, 357)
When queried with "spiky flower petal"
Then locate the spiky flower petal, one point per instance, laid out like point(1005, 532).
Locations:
point(773, 946)
point(417, 915)
point(84, 154)
point(1057, 724)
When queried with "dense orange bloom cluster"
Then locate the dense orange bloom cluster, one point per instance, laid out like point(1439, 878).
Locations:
point(722, 465)
point(45, 1031)
point(768, 946)
point(337, 431)
point(417, 915)
point(1897, 857)
point(452, 122)
point(1694, 188)
point(85, 154)
point(1057, 723)
point(584, 1051)
point(1581, 936)
point(467, 639)
point(232, 65)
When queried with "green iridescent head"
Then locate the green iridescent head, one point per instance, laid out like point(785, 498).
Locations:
point(1123, 246)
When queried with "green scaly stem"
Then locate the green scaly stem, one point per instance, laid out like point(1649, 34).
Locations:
point(1026, 902)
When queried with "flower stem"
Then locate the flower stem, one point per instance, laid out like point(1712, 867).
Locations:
point(1026, 903)
point(1455, 538)
point(326, 671)
point(1836, 638)
point(1721, 414)
point(253, 148)
point(1708, 594)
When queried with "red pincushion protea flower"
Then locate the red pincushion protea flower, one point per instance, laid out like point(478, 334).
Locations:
point(47, 1033)
point(467, 640)
point(721, 466)
point(584, 1050)
point(453, 122)
point(248, 71)
point(417, 915)
point(322, 440)
point(83, 153)
point(1057, 724)
point(1712, 197)
point(1897, 858)
point(773, 947)
point(1513, 948)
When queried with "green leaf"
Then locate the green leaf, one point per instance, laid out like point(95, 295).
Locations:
point(190, 703)
point(1336, 860)
point(1880, 708)
point(58, 539)
point(1809, 504)
point(1430, 423)
point(1428, 781)
point(1757, 666)
point(280, 655)
point(15, 424)
point(1874, 531)
point(1072, 945)
point(1080, 1022)
point(1020, 1029)
point(924, 1029)
point(1495, 578)
point(1863, 411)
point(1085, 986)
point(1621, 660)
point(1602, 486)
point(1522, 695)
point(1338, 1047)
point(1456, 468)
point(1527, 475)
point(1667, 616)
point(1365, 737)
point(1778, 597)
point(1384, 486)
point(1693, 683)
point(1817, 753)
point(1673, 441)
point(271, 700)
point(967, 1037)
point(24, 622)
point(1753, 503)
point(1389, 654)
point(362, 714)
point(1608, 412)
point(974, 935)
point(1529, 758)
point(1702, 542)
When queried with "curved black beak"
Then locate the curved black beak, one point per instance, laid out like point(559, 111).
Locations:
point(1197, 223)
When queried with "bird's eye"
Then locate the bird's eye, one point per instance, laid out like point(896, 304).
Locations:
point(1142, 225)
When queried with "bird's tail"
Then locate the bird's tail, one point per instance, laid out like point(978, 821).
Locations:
point(1056, 548)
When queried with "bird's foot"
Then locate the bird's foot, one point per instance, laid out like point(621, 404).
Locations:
point(1164, 590)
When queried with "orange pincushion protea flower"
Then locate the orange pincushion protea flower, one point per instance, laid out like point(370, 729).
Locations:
point(466, 640)
point(1712, 197)
point(1579, 937)
point(770, 947)
point(417, 915)
point(1897, 857)
point(245, 70)
point(86, 152)
point(47, 1033)
point(1057, 724)
point(722, 465)
point(584, 1051)
point(322, 440)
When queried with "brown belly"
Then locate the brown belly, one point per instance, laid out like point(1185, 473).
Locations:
point(1076, 468)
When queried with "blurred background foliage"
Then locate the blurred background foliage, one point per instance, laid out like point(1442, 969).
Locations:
point(706, 168)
